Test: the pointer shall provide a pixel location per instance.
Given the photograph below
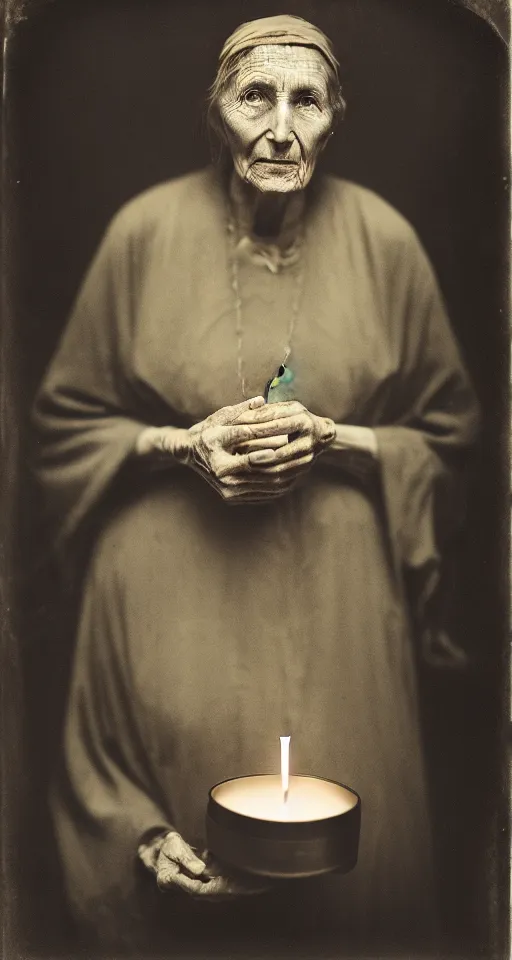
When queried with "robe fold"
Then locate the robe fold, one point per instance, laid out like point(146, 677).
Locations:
point(208, 629)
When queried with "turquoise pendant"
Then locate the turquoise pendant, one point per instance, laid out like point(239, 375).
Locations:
point(279, 387)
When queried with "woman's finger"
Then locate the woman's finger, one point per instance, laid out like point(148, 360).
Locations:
point(233, 435)
point(297, 423)
point(290, 468)
point(226, 414)
point(176, 849)
point(263, 443)
point(292, 451)
point(235, 484)
point(171, 875)
point(272, 411)
point(254, 495)
point(231, 413)
point(226, 464)
point(260, 493)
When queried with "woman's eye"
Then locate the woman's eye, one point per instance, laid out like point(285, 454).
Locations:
point(307, 101)
point(253, 96)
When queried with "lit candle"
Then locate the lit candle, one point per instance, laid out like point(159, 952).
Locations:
point(261, 797)
point(285, 766)
point(284, 826)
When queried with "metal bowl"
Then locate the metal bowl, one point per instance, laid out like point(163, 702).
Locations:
point(284, 848)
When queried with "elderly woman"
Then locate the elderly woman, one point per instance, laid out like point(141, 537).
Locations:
point(262, 567)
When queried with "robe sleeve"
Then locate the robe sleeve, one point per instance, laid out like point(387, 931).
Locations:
point(106, 790)
point(85, 416)
point(431, 426)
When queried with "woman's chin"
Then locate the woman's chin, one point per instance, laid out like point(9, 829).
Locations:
point(276, 181)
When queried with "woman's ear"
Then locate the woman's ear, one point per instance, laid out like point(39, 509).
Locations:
point(330, 133)
point(337, 119)
point(217, 137)
point(216, 124)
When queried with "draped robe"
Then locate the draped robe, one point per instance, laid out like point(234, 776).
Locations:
point(208, 629)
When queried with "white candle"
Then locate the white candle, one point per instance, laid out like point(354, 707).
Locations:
point(261, 797)
point(285, 766)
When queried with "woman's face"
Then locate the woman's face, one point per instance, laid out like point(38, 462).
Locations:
point(277, 116)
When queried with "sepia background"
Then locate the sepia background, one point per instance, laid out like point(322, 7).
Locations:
point(106, 99)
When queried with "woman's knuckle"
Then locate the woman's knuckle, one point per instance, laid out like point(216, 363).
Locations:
point(241, 434)
point(209, 440)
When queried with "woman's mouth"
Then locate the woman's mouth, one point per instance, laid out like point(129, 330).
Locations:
point(276, 163)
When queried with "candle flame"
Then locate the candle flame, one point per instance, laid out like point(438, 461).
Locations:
point(285, 766)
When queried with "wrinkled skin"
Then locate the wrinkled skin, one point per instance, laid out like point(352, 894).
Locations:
point(235, 448)
point(276, 116)
point(175, 865)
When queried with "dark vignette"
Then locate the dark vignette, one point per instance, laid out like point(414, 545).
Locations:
point(495, 12)
point(12, 756)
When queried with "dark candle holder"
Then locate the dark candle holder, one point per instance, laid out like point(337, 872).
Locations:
point(284, 848)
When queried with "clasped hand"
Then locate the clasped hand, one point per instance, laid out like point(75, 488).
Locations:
point(252, 451)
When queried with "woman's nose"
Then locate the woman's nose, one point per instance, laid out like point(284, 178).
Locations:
point(280, 129)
